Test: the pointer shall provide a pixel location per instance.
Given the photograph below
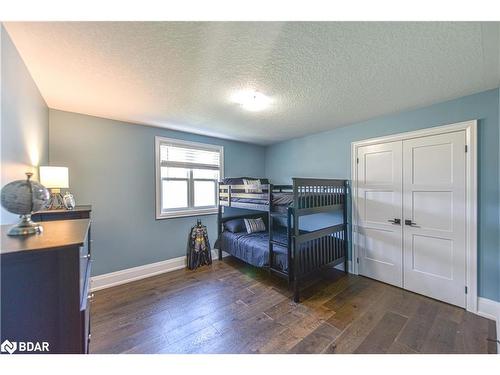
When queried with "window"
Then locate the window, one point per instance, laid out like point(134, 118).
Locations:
point(186, 177)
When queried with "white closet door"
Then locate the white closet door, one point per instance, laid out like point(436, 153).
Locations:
point(379, 201)
point(434, 178)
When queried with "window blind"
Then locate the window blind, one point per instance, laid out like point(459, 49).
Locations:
point(181, 156)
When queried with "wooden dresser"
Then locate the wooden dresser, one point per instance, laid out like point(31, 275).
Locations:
point(45, 281)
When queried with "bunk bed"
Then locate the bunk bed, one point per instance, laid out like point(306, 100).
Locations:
point(284, 249)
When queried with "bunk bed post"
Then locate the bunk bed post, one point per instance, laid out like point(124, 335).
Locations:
point(344, 208)
point(270, 226)
point(289, 244)
point(296, 294)
point(219, 228)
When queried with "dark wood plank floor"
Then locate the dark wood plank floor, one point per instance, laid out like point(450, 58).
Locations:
point(234, 308)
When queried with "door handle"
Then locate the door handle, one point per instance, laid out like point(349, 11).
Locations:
point(395, 221)
point(411, 223)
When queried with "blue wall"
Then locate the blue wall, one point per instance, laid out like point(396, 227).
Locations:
point(111, 166)
point(328, 154)
point(24, 119)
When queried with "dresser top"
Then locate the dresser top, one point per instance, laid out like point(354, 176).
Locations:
point(56, 234)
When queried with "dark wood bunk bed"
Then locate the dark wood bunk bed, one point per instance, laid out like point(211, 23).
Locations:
point(301, 253)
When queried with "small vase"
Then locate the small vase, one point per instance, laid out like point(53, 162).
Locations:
point(69, 201)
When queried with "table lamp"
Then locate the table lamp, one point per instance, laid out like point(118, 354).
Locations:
point(54, 179)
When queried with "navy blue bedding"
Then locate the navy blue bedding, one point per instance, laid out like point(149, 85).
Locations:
point(254, 248)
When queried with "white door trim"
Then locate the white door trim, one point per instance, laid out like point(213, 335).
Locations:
point(470, 128)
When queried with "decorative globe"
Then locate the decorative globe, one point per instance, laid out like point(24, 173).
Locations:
point(23, 197)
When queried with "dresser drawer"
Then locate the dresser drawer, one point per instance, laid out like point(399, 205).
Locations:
point(86, 303)
point(85, 248)
point(86, 336)
point(84, 282)
point(85, 260)
point(84, 264)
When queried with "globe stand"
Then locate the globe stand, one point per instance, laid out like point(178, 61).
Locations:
point(25, 227)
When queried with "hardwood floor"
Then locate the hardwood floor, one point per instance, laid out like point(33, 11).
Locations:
point(233, 308)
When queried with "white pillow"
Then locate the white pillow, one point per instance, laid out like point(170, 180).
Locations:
point(255, 225)
point(252, 182)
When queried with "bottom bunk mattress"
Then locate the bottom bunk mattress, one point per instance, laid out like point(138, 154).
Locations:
point(253, 248)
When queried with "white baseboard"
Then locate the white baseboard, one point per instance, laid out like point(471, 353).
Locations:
point(490, 309)
point(111, 279)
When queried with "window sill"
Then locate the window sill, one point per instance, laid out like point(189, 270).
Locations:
point(178, 214)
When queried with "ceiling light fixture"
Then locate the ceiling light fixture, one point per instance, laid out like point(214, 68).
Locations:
point(251, 100)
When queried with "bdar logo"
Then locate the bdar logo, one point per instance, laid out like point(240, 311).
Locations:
point(9, 347)
point(24, 346)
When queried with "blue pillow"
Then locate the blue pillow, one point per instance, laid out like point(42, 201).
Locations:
point(235, 225)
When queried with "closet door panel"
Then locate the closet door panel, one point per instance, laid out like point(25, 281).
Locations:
point(434, 213)
point(379, 200)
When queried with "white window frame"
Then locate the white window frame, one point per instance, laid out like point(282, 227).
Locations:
point(160, 214)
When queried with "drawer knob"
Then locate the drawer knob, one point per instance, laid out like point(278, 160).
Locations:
point(86, 256)
point(90, 297)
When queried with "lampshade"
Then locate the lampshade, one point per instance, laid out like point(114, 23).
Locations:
point(54, 177)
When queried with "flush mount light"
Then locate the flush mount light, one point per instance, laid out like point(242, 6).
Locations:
point(251, 100)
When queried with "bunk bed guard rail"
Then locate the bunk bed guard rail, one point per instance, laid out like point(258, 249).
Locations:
point(315, 195)
point(252, 197)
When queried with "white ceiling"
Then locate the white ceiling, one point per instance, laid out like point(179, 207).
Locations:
point(321, 75)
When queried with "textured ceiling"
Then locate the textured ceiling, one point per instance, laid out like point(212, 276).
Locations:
point(320, 75)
